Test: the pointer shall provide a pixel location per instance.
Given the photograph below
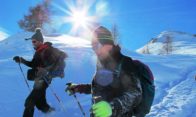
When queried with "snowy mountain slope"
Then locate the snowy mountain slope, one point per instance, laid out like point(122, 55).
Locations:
point(174, 79)
point(171, 42)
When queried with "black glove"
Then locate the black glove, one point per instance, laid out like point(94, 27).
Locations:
point(18, 59)
point(71, 88)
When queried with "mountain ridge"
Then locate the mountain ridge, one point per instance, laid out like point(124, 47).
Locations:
point(170, 42)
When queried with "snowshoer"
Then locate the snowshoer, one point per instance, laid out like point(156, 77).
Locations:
point(44, 63)
point(115, 88)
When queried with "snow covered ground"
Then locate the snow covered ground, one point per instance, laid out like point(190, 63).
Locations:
point(174, 79)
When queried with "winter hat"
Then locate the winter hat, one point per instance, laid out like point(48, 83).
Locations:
point(104, 35)
point(38, 35)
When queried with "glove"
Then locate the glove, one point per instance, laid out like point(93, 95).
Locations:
point(102, 109)
point(71, 88)
point(18, 59)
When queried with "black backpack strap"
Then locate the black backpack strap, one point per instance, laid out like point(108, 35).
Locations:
point(119, 68)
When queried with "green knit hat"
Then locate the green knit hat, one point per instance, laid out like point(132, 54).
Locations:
point(104, 35)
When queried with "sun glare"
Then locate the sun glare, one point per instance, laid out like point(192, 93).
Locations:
point(79, 19)
point(80, 15)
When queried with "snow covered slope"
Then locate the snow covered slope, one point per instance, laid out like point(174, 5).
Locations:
point(171, 42)
point(175, 85)
point(174, 79)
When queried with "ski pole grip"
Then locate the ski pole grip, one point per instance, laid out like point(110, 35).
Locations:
point(68, 88)
point(97, 99)
point(69, 84)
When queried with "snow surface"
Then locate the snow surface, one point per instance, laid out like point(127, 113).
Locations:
point(3, 34)
point(182, 43)
point(174, 79)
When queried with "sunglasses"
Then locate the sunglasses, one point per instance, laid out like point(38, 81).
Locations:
point(34, 41)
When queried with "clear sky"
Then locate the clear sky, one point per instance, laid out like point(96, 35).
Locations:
point(138, 20)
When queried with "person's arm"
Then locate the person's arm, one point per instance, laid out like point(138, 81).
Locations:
point(131, 96)
point(78, 88)
point(22, 60)
point(83, 88)
point(27, 63)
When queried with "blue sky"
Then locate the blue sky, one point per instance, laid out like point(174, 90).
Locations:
point(11, 11)
point(138, 20)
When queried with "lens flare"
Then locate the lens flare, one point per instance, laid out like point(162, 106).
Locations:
point(82, 15)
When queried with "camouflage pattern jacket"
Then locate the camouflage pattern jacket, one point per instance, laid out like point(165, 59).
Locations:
point(123, 91)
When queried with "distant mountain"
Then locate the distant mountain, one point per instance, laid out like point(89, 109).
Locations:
point(170, 42)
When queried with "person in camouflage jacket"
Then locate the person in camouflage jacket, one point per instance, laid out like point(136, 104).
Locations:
point(115, 88)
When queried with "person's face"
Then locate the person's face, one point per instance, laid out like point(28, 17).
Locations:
point(102, 51)
point(36, 43)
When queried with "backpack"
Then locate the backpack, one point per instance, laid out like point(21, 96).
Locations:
point(57, 69)
point(148, 88)
point(147, 84)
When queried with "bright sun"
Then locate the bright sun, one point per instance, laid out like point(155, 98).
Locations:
point(79, 19)
point(79, 16)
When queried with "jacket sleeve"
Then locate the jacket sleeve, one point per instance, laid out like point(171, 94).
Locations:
point(130, 97)
point(28, 63)
point(84, 88)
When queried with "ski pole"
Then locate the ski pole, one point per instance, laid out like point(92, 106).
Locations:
point(79, 105)
point(81, 109)
point(24, 76)
point(55, 95)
